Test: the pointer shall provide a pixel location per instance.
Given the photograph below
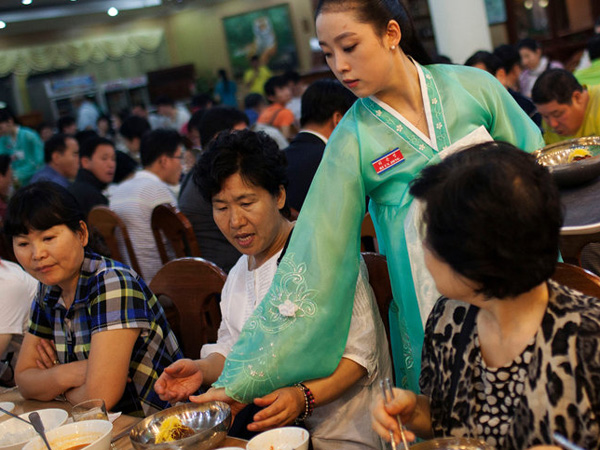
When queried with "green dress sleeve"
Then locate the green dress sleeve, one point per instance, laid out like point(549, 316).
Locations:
point(299, 330)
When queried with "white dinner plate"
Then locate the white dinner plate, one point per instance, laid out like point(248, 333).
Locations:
point(9, 406)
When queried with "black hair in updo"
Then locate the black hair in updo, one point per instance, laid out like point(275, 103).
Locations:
point(378, 13)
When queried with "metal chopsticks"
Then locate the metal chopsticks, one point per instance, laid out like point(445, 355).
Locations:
point(388, 396)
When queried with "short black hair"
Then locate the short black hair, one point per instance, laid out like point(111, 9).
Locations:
point(253, 100)
point(201, 101)
point(63, 122)
point(126, 165)
point(5, 161)
point(529, 43)
point(555, 85)
point(89, 146)
point(508, 55)
point(276, 82)
point(593, 47)
point(40, 206)
point(195, 120)
point(494, 215)
point(83, 136)
point(6, 115)
point(322, 99)
point(492, 63)
point(292, 75)
point(164, 100)
point(162, 141)
point(218, 119)
point(57, 143)
point(134, 127)
point(255, 156)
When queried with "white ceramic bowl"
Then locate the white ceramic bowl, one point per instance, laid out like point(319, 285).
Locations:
point(14, 433)
point(285, 438)
point(96, 433)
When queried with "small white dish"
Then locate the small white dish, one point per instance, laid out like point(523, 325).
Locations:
point(95, 433)
point(284, 438)
point(9, 406)
point(15, 433)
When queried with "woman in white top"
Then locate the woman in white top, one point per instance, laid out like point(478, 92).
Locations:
point(18, 290)
point(244, 176)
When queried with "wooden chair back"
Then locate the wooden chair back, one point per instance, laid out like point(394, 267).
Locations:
point(571, 246)
point(379, 279)
point(106, 222)
point(368, 238)
point(194, 287)
point(171, 223)
point(577, 278)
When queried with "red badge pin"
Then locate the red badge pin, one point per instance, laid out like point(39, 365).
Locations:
point(388, 161)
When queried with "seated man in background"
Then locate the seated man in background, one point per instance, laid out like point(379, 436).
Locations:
point(492, 64)
point(511, 62)
point(278, 93)
point(98, 164)
point(23, 145)
point(132, 129)
point(134, 200)
point(591, 74)
point(324, 104)
point(18, 291)
point(569, 109)
point(169, 115)
point(61, 154)
point(213, 245)
point(67, 125)
point(6, 183)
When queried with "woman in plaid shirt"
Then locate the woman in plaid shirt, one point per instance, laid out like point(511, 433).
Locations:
point(96, 330)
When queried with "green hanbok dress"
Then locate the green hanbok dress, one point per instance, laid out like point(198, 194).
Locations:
point(299, 330)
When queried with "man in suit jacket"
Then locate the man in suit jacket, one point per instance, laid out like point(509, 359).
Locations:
point(324, 103)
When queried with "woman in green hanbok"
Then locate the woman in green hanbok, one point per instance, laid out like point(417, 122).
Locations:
point(408, 116)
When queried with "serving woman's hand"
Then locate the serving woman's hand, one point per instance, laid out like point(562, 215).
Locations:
point(178, 381)
point(281, 407)
point(218, 394)
point(403, 404)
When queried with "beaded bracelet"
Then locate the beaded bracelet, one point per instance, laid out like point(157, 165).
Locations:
point(309, 402)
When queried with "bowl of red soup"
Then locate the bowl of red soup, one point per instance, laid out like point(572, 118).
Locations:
point(88, 435)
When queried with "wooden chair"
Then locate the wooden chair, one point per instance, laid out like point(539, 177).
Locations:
point(194, 287)
point(368, 238)
point(379, 279)
point(171, 223)
point(577, 278)
point(106, 222)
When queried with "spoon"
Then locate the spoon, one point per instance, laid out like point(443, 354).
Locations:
point(14, 415)
point(36, 421)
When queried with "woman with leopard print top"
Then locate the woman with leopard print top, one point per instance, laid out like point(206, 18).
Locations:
point(509, 356)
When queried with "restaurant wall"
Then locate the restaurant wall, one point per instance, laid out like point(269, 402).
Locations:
point(197, 35)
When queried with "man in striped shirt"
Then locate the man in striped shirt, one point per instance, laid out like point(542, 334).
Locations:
point(161, 153)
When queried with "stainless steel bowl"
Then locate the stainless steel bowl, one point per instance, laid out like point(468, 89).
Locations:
point(209, 420)
point(555, 157)
point(452, 443)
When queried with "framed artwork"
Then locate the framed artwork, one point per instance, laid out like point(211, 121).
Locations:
point(266, 33)
point(496, 11)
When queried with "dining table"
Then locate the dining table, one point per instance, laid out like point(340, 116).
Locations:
point(121, 425)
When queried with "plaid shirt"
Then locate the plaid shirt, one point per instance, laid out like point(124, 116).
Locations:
point(110, 296)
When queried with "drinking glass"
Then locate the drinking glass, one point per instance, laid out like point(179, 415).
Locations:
point(90, 410)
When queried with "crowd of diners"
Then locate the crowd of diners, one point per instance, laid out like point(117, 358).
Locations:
point(484, 344)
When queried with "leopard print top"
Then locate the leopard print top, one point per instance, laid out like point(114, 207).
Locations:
point(553, 386)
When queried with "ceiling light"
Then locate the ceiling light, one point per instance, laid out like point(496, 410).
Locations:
point(2, 24)
point(26, 2)
point(112, 11)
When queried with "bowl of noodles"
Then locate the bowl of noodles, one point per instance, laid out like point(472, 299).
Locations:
point(572, 162)
point(199, 425)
